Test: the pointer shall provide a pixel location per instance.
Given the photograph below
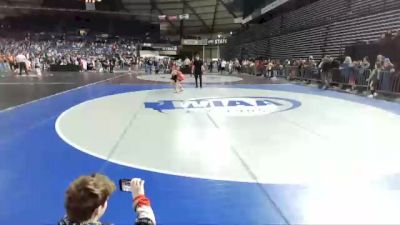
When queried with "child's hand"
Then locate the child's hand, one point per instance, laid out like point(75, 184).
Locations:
point(137, 187)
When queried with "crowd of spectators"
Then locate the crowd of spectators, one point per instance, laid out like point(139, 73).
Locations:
point(329, 71)
point(345, 73)
point(38, 55)
point(34, 56)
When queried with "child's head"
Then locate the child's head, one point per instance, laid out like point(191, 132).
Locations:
point(86, 197)
point(380, 58)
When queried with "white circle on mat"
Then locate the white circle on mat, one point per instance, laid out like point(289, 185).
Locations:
point(325, 140)
point(207, 79)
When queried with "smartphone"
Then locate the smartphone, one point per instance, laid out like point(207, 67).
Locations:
point(125, 185)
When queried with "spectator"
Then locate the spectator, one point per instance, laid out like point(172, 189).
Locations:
point(301, 67)
point(365, 63)
point(270, 66)
point(210, 66)
point(237, 66)
point(259, 64)
point(187, 66)
point(87, 197)
point(309, 67)
point(380, 59)
point(387, 75)
point(2, 63)
point(374, 78)
point(22, 63)
point(388, 66)
point(198, 70)
point(37, 64)
point(335, 69)
point(230, 67)
point(223, 66)
point(112, 62)
point(326, 74)
point(347, 72)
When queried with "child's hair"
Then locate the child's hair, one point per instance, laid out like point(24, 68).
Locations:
point(85, 195)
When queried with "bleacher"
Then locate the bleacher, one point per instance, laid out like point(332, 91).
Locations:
point(298, 44)
point(368, 28)
point(272, 28)
point(323, 27)
point(257, 49)
point(391, 4)
point(361, 7)
point(315, 14)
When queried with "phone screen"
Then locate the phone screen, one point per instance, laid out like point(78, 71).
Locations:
point(125, 185)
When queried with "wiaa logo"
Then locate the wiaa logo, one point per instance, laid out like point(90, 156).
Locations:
point(231, 106)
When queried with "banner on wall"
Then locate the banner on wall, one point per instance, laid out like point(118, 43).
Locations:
point(201, 42)
point(169, 51)
point(219, 41)
point(194, 42)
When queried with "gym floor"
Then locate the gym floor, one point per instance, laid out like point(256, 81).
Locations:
point(241, 150)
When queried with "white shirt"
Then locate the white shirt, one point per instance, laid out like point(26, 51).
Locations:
point(20, 58)
point(223, 64)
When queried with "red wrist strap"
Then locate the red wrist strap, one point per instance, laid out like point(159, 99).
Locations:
point(138, 197)
point(140, 201)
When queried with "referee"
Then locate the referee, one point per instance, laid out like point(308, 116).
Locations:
point(198, 70)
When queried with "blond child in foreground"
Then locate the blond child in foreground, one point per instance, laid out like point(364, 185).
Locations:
point(86, 201)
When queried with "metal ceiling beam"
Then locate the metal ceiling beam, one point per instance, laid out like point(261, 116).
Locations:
point(204, 6)
point(196, 14)
point(164, 4)
point(216, 25)
point(228, 9)
point(215, 15)
point(157, 2)
point(210, 13)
